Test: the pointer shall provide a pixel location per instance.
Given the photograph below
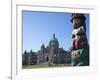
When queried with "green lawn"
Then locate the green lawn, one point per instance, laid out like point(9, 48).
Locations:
point(33, 67)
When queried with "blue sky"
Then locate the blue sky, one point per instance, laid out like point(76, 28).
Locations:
point(38, 29)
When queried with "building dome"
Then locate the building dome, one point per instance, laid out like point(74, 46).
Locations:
point(54, 41)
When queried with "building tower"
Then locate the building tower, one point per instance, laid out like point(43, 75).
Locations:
point(54, 46)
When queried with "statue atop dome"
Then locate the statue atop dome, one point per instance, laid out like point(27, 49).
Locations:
point(54, 35)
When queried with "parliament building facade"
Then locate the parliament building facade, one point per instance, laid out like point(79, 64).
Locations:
point(49, 55)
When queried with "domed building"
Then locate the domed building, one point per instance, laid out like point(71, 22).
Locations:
point(51, 54)
point(54, 42)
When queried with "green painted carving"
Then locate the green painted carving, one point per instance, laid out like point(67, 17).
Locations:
point(80, 57)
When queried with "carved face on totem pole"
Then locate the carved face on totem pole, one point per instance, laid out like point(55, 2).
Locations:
point(79, 31)
point(78, 20)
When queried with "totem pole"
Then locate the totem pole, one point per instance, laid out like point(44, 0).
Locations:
point(80, 47)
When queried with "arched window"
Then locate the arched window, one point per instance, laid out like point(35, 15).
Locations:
point(47, 59)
